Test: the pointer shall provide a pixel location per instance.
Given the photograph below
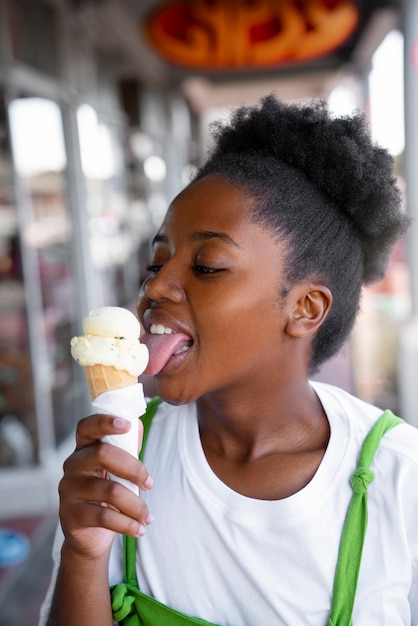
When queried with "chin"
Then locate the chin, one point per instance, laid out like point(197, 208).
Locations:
point(171, 392)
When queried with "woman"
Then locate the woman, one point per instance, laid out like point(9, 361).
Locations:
point(254, 281)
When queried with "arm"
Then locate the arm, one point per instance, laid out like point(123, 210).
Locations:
point(92, 510)
point(81, 593)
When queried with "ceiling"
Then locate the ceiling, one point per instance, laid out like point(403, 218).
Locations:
point(115, 26)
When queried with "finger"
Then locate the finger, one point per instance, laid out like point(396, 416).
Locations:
point(91, 514)
point(98, 458)
point(93, 428)
point(103, 492)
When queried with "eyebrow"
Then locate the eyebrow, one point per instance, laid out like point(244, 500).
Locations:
point(200, 235)
point(210, 234)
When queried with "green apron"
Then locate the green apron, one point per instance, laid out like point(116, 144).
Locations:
point(131, 607)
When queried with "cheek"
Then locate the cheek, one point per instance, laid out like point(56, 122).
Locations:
point(238, 322)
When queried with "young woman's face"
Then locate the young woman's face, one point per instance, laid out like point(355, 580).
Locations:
point(211, 306)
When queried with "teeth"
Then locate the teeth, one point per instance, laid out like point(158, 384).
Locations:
point(159, 329)
point(182, 349)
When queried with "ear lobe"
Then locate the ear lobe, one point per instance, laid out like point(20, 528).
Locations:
point(311, 309)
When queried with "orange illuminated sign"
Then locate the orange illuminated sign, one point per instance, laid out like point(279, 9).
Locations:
point(228, 34)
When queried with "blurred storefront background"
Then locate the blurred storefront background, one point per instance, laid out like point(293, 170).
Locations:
point(104, 112)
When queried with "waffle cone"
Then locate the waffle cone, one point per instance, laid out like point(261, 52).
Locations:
point(101, 378)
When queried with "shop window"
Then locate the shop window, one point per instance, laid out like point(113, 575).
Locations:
point(17, 431)
point(49, 272)
point(114, 243)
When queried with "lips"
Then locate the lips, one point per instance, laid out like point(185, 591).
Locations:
point(162, 347)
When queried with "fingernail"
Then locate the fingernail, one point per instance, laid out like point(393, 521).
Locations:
point(120, 423)
point(148, 484)
point(141, 530)
point(149, 519)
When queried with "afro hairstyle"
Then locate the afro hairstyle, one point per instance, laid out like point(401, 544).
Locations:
point(325, 188)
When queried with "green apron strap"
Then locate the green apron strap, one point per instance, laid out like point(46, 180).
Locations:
point(129, 543)
point(152, 407)
point(354, 531)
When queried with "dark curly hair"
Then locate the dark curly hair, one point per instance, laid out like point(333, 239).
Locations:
point(327, 191)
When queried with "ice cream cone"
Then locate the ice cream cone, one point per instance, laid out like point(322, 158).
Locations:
point(101, 378)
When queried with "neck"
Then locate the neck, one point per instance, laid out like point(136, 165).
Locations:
point(246, 426)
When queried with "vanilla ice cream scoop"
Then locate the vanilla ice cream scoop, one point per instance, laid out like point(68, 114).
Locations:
point(112, 321)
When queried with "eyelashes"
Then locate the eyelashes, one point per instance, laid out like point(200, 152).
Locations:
point(204, 269)
point(198, 269)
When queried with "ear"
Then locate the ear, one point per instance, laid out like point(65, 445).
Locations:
point(312, 305)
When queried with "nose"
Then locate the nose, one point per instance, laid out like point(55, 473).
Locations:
point(163, 286)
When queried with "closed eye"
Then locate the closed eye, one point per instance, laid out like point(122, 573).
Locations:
point(199, 269)
point(204, 269)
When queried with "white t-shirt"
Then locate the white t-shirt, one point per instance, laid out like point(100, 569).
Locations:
point(237, 561)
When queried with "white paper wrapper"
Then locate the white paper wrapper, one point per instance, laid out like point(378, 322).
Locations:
point(129, 403)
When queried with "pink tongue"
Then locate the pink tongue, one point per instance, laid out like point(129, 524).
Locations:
point(161, 348)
